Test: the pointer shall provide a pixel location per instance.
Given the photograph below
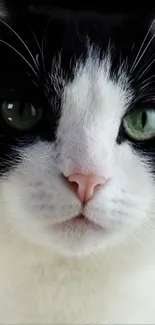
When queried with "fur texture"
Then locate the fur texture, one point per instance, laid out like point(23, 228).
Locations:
point(85, 71)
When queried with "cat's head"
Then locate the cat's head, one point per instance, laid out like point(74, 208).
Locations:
point(77, 127)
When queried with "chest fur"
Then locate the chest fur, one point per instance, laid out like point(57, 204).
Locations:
point(61, 292)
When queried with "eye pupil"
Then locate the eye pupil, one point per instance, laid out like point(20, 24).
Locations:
point(20, 115)
point(139, 124)
point(144, 118)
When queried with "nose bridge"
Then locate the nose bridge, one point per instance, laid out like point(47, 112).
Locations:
point(84, 156)
point(83, 151)
point(84, 144)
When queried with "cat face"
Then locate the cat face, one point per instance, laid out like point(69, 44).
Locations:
point(77, 96)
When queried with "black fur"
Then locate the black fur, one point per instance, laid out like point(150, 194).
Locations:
point(66, 31)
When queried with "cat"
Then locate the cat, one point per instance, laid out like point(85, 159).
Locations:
point(77, 166)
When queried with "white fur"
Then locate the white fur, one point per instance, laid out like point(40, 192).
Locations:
point(80, 275)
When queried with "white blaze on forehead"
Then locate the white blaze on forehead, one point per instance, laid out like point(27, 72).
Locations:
point(92, 109)
point(94, 95)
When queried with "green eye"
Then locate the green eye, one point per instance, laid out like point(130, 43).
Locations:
point(20, 115)
point(140, 124)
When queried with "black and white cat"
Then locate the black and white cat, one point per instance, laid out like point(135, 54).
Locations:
point(77, 166)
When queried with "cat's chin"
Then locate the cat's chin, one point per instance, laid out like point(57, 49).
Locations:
point(78, 236)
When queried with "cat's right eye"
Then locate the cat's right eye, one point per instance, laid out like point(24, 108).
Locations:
point(20, 115)
point(140, 124)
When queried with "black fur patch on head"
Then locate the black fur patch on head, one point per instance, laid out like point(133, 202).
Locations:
point(39, 49)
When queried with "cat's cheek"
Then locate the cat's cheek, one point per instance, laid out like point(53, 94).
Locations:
point(35, 199)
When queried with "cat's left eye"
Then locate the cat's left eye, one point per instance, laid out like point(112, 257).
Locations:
point(20, 115)
point(140, 124)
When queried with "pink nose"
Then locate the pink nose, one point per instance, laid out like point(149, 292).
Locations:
point(85, 185)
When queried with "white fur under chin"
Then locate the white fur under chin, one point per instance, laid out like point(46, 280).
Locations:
point(45, 287)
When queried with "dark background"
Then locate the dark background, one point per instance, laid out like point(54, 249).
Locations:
point(137, 7)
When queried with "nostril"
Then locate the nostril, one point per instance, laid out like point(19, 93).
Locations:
point(73, 186)
point(85, 185)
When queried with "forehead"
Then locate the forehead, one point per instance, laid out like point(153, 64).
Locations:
point(104, 47)
point(68, 31)
point(93, 91)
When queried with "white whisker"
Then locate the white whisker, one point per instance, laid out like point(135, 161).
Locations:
point(137, 59)
point(133, 236)
point(144, 65)
point(13, 48)
point(27, 48)
point(146, 80)
point(147, 68)
point(40, 49)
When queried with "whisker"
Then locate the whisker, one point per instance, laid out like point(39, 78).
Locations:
point(145, 234)
point(40, 50)
point(149, 227)
point(137, 59)
point(133, 236)
point(33, 81)
point(148, 79)
point(27, 48)
point(144, 51)
point(13, 48)
point(145, 64)
point(144, 71)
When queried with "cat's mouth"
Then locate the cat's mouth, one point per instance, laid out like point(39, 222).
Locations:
point(79, 221)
